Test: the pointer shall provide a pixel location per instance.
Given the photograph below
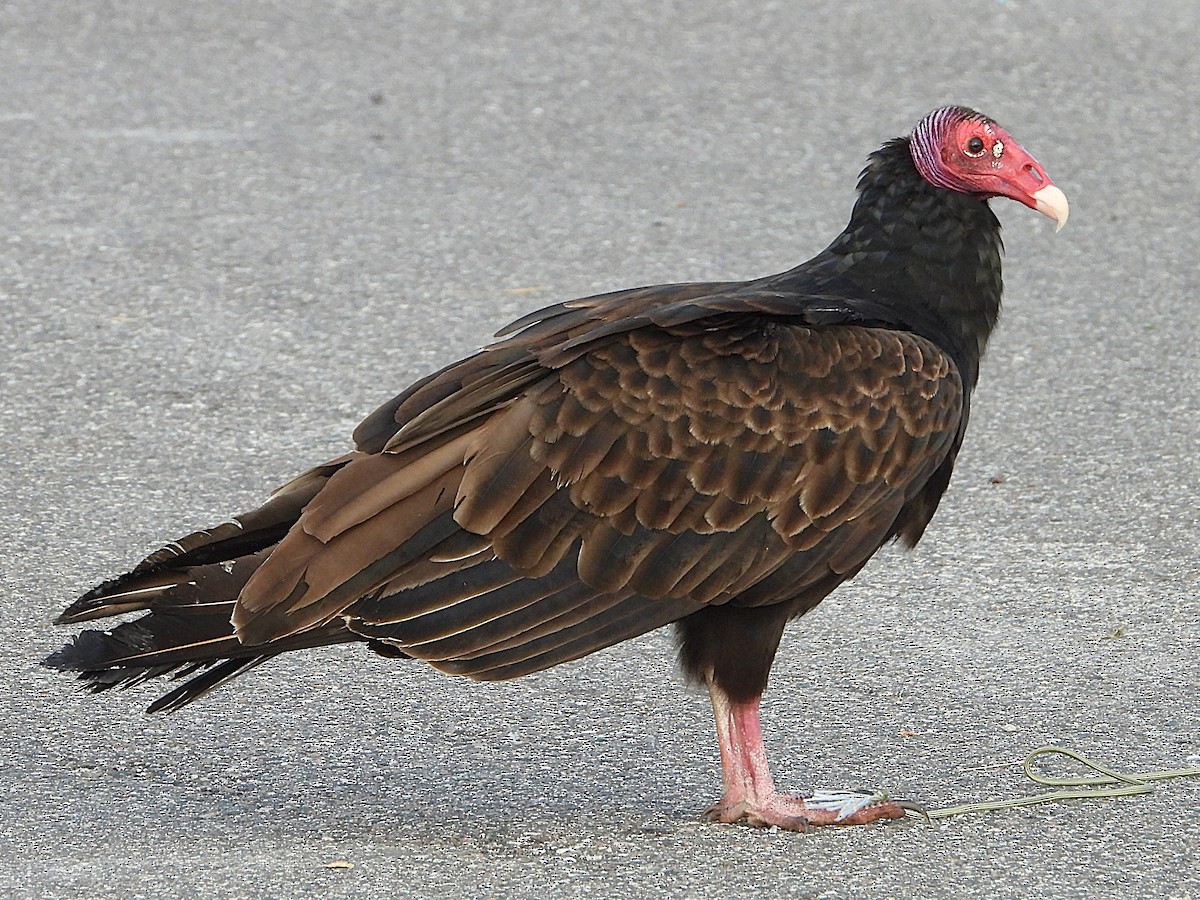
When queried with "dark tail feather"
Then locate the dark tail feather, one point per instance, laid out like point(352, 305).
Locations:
point(193, 641)
point(208, 680)
point(132, 653)
point(167, 572)
point(157, 643)
point(188, 590)
point(185, 633)
point(185, 587)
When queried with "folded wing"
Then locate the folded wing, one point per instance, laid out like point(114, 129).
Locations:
point(520, 512)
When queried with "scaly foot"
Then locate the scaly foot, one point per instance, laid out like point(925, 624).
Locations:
point(795, 812)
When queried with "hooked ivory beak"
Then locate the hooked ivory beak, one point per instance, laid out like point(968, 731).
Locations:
point(1052, 202)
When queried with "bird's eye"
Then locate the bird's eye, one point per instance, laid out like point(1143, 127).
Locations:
point(975, 146)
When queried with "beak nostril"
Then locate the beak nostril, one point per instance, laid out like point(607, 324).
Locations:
point(1033, 171)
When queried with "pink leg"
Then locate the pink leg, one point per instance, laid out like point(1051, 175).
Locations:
point(749, 790)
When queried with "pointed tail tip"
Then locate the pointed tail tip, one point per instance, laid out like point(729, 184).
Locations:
point(58, 660)
point(170, 702)
point(79, 654)
point(95, 655)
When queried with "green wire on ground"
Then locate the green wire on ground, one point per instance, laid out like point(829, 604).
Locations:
point(1108, 783)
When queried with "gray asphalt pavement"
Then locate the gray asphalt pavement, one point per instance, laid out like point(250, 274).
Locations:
point(232, 229)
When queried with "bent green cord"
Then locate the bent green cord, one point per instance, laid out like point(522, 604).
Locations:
point(1092, 786)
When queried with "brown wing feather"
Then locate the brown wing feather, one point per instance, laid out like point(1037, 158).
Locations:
point(524, 515)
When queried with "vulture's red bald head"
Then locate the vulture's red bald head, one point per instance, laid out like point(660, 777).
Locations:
point(962, 150)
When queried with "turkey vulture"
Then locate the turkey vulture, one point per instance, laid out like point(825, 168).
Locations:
point(720, 456)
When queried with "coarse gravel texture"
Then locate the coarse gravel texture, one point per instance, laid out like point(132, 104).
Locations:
point(232, 229)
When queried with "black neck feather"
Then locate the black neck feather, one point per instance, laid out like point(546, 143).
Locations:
point(923, 258)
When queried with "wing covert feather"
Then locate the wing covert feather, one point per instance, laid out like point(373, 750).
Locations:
point(654, 472)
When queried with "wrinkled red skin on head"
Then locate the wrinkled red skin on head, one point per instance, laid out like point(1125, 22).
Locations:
point(997, 166)
point(1000, 168)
